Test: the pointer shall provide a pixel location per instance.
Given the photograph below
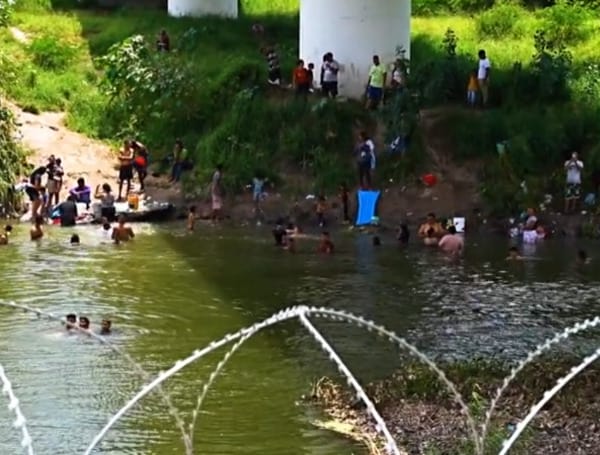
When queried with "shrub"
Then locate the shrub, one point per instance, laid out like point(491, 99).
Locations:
point(50, 54)
point(5, 12)
point(501, 21)
point(566, 23)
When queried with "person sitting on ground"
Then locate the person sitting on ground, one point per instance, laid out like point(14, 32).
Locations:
point(274, 75)
point(452, 243)
point(5, 235)
point(67, 211)
point(514, 255)
point(105, 327)
point(36, 232)
point(403, 234)
point(163, 43)
point(431, 230)
point(82, 193)
point(84, 323)
point(300, 79)
point(121, 232)
point(325, 244)
point(107, 202)
point(71, 321)
point(75, 239)
point(125, 169)
point(191, 219)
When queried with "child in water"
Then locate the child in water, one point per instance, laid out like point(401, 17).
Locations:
point(513, 254)
point(4, 236)
point(191, 219)
point(75, 239)
point(36, 232)
point(325, 244)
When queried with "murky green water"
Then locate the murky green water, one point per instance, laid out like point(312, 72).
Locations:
point(170, 293)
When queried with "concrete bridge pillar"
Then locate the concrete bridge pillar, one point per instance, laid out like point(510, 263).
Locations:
point(198, 8)
point(354, 31)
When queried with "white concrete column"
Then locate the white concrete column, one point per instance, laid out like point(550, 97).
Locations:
point(354, 31)
point(199, 8)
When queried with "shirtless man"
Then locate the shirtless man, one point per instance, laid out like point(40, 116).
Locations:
point(4, 236)
point(125, 169)
point(122, 233)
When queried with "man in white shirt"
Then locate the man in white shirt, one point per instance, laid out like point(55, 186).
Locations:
point(574, 166)
point(329, 76)
point(483, 76)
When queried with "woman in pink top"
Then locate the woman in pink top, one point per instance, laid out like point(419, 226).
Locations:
point(452, 243)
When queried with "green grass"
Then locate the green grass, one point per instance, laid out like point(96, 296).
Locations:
point(224, 58)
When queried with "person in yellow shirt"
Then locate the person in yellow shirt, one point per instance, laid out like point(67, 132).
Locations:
point(376, 83)
point(472, 89)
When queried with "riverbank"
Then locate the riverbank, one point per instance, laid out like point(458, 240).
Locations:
point(424, 420)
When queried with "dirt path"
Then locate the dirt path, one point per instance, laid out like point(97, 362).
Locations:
point(46, 135)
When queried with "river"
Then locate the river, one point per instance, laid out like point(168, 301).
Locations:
point(169, 293)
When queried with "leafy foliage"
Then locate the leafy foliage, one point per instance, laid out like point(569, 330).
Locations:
point(51, 54)
point(551, 67)
point(500, 21)
point(566, 22)
point(5, 12)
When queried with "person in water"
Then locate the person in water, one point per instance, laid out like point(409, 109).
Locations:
point(121, 232)
point(290, 245)
point(431, 230)
point(75, 239)
point(71, 321)
point(452, 243)
point(68, 212)
point(376, 241)
point(191, 219)
point(325, 244)
point(514, 255)
point(582, 257)
point(36, 232)
point(279, 233)
point(5, 235)
point(105, 327)
point(403, 234)
point(84, 323)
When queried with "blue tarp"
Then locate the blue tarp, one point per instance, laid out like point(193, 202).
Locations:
point(367, 207)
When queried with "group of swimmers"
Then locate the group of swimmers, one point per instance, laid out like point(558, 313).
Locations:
point(118, 234)
point(286, 237)
point(84, 324)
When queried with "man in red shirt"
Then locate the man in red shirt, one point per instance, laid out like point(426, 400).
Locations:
point(301, 79)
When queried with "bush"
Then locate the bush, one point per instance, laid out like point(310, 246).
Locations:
point(501, 21)
point(5, 12)
point(50, 54)
point(566, 23)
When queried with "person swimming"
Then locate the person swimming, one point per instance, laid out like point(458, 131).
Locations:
point(106, 327)
point(514, 255)
point(5, 235)
point(36, 232)
point(279, 233)
point(71, 321)
point(75, 239)
point(325, 244)
point(84, 323)
point(122, 233)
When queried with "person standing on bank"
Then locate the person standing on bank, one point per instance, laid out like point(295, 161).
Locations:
point(329, 76)
point(125, 169)
point(574, 166)
point(376, 84)
point(483, 77)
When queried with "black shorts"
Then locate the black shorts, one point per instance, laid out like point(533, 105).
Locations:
point(126, 173)
point(330, 88)
point(302, 89)
point(33, 194)
point(275, 75)
point(110, 213)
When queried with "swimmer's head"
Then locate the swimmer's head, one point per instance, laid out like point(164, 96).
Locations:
point(325, 235)
point(106, 326)
point(452, 230)
point(84, 322)
point(513, 252)
point(192, 209)
point(8, 229)
point(106, 188)
point(75, 239)
point(582, 255)
point(72, 320)
point(431, 217)
point(121, 220)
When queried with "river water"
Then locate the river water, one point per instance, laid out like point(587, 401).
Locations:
point(169, 293)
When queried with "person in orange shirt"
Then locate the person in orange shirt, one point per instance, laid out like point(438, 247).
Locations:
point(301, 79)
point(472, 89)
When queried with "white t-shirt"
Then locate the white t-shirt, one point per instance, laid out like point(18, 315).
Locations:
point(574, 171)
point(484, 66)
point(369, 143)
point(330, 71)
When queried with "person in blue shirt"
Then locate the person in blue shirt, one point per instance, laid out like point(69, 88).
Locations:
point(82, 193)
point(258, 184)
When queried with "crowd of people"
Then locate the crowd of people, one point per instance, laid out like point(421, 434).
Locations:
point(85, 325)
